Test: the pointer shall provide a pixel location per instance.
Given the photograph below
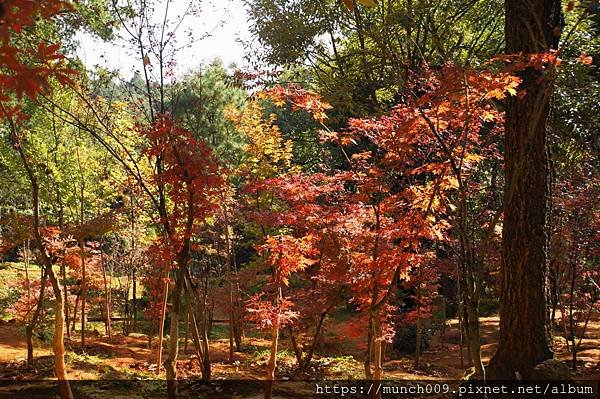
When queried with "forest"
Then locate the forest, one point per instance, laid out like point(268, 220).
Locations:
point(385, 198)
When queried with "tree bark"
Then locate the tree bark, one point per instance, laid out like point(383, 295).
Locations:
point(161, 323)
point(272, 363)
point(203, 344)
point(368, 353)
point(75, 311)
point(171, 361)
point(58, 343)
point(63, 273)
point(525, 331)
point(377, 355)
point(46, 262)
point(316, 337)
point(107, 288)
point(83, 289)
point(418, 338)
point(230, 301)
point(35, 318)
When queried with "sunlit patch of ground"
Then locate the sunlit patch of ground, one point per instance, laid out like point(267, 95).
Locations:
point(128, 358)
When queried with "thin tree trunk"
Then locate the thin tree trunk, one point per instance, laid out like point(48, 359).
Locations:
point(58, 343)
point(83, 289)
point(35, 318)
point(571, 308)
point(418, 341)
point(316, 337)
point(200, 348)
point(161, 326)
point(134, 299)
point(63, 273)
point(295, 347)
point(203, 338)
point(171, 361)
point(272, 363)
point(228, 256)
point(460, 315)
point(473, 339)
point(368, 354)
point(106, 295)
point(377, 355)
point(187, 326)
point(75, 311)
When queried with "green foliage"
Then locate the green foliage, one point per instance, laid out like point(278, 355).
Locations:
point(10, 274)
point(489, 307)
point(361, 59)
point(339, 365)
point(201, 100)
point(406, 337)
point(576, 117)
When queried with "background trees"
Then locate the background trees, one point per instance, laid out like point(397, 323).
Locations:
point(388, 159)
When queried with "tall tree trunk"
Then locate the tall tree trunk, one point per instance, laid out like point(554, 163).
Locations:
point(46, 262)
point(207, 371)
point(161, 324)
point(234, 337)
point(35, 318)
point(107, 288)
point(418, 338)
point(134, 299)
point(377, 355)
point(369, 350)
point(203, 344)
point(315, 340)
point(187, 326)
point(473, 337)
point(525, 331)
point(295, 346)
point(83, 289)
point(63, 274)
point(171, 361)
point(75, 310)
point(58, 343)
point(230, 311)
point(272, 363)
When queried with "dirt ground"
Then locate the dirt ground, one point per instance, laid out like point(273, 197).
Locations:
point(128, 358)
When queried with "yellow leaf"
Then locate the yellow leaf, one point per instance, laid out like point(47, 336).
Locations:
point(368, 3)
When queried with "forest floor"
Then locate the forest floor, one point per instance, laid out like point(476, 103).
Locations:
point(128, 358)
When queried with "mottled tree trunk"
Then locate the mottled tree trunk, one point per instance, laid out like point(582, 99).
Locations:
point(59, 320)
point(525, 331)
point(58, 343)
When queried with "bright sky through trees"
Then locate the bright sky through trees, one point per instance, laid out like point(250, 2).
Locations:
point(225, 23)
